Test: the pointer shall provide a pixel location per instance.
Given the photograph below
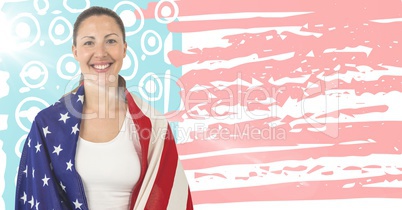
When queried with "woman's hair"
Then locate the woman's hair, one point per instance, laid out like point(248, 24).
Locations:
point(97, 11)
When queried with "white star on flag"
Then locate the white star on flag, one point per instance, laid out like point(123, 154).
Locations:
point(77, 204)
point(69, 166)
point(75, 129)
point(26, 171)
point(37, 205)
point(57, 150)
point(24, 198)
point(32, 201)
point(81, 98)
point(33, 173)
point(46, 131)
point(45, 181)
point(38, 147)
point(29, 142)
point(62, 186)
point(64, 117)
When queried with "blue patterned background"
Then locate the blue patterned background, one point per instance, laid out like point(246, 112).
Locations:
point(37, 67)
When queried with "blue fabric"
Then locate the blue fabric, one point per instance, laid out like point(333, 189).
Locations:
point(47, 178)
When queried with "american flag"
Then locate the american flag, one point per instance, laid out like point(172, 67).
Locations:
point(47, 155)
point(289, 103)
point(47, 177)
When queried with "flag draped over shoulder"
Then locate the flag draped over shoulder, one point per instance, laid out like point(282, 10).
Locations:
point(47, 178)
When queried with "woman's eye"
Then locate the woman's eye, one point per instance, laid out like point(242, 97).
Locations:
point(88, 43)
point(111, 41)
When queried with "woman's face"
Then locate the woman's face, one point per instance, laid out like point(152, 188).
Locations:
point(100, 49)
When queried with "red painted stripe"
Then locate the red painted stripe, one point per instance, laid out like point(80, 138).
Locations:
point(311, 190)
point(381, 132)
point(243, 95)
point(332, 7)
point(322, 12)
point(356, 111)
point(300, 154)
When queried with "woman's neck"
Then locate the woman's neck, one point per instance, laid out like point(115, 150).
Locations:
point(103, 100)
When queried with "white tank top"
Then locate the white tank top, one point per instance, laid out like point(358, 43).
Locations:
point(109, 170)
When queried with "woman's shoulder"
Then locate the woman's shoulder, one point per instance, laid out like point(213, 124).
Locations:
point(147, 108)
point(55, 111)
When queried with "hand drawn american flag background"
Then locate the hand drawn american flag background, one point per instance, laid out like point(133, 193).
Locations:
point(290, 103)
point(277, 104)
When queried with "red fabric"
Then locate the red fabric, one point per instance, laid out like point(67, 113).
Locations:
point(161, 190)
point(142, 122)
point(189, 201)
point(159, 196)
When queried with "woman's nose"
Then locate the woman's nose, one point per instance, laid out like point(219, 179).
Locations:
point(100, 50)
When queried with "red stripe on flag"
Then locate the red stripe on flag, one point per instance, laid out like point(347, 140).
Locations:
point(160, 193)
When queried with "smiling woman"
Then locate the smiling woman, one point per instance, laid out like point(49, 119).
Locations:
point(99, 47)
point(101, 147)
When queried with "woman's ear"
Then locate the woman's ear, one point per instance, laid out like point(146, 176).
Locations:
point(125, 49)
point(74, 51)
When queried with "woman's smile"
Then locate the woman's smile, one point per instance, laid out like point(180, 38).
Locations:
point(101, 67)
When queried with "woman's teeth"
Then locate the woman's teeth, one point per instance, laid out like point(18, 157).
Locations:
point(101, 67)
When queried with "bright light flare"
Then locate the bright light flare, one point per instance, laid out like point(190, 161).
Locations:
point(7, 41)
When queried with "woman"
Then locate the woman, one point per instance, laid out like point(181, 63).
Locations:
point(100, 147)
